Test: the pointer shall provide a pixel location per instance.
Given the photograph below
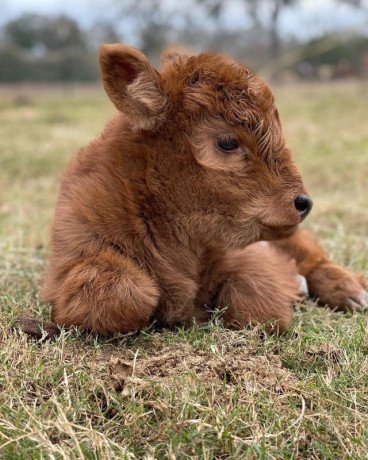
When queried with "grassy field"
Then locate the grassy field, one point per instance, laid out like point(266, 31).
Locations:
point(200, 393)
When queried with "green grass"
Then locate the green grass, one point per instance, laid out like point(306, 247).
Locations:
point(203, 392)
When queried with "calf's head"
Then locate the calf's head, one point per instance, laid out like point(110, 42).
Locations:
point(215, 141)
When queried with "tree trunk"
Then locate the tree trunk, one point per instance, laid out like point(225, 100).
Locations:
point(275, 45)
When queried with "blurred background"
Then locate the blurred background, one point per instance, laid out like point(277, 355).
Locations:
point(285, 40)
point(314, 52)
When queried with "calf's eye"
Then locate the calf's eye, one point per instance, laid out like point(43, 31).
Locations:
point(228, 144)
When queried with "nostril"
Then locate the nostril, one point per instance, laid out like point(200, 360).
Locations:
point(303, 204)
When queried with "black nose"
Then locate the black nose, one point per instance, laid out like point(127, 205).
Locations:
point(303, 204)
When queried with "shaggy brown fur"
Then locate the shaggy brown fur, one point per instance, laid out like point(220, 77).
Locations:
point(157, 217)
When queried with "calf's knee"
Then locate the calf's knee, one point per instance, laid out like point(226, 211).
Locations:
point(105, 295)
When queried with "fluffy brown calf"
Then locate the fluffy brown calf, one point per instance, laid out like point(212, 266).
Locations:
point(157, 217)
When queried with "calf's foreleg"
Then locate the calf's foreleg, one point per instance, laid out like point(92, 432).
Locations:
point(104, 294)
point(332, 284)
point(255, 285)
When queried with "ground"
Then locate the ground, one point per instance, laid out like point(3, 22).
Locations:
point(203, 392)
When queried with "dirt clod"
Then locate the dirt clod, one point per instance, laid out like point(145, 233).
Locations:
point(119, 371)
point(37, 329)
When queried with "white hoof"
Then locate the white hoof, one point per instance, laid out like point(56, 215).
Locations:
point(360, 302)
point(302, 286)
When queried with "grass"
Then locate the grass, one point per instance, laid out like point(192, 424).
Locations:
point(203, 392)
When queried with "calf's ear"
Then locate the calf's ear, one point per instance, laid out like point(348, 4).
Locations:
point(133, 85)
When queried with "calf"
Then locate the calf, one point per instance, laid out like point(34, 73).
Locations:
point(160, 216)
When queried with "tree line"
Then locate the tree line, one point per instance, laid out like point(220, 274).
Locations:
point(36, 47)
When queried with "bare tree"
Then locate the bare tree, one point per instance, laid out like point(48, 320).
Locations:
point(276, 8)
point(257, 9)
